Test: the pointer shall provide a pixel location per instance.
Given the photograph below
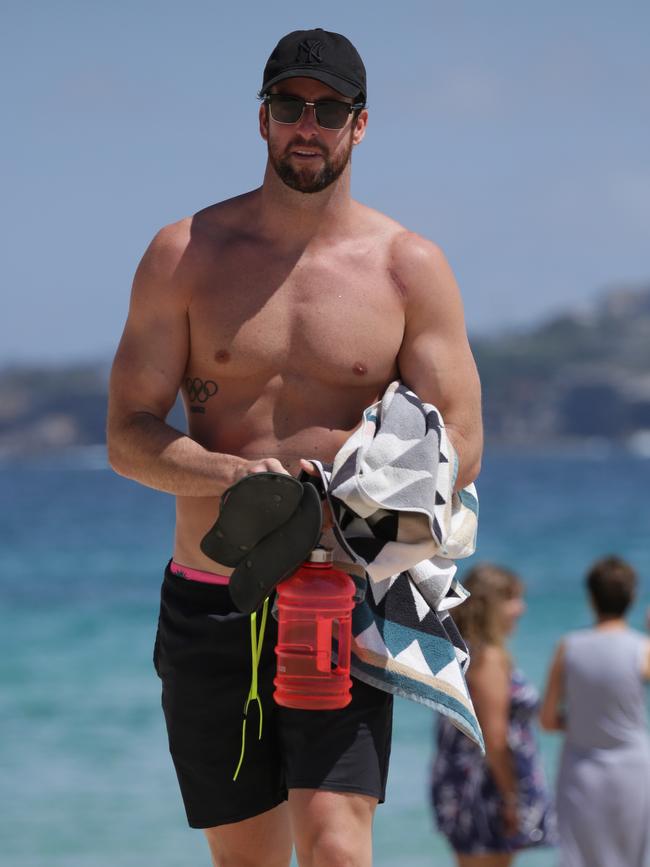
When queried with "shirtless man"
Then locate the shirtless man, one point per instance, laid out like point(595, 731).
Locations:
point(279, 315)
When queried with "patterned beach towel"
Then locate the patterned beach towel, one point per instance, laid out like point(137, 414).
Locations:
point(390, 490)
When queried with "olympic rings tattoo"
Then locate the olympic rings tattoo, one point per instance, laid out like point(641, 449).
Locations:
point(200, 390)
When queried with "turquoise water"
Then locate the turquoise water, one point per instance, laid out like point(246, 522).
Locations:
point(85, 778)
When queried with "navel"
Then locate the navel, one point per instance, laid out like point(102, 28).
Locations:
point(359, 369)
point(222, 356)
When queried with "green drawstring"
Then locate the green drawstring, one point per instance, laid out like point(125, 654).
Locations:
point(256, 652)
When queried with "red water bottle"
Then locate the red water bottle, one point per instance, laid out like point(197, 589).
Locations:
point(315, 604)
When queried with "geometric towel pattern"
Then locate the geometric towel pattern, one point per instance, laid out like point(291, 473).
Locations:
point(391, 494)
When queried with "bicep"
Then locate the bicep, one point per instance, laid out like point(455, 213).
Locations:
point(435, 358)
point(152, 354)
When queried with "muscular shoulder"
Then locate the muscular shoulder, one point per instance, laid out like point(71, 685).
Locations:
point(159, 283)
point(411, 258)
point(181, 245)
point(225, 223)
point(180, 252)
point(166, 250)
point(418, 266)
point(411, 251)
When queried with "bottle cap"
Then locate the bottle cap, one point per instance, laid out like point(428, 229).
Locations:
point(321, 555)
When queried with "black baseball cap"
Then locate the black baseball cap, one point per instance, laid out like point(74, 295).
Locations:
point(320, 54)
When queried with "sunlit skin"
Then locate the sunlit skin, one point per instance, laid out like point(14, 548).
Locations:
point(297, 309)
point(266, 285)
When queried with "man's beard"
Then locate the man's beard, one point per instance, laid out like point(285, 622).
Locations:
point(308, 179)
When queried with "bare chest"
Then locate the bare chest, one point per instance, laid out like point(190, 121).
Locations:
point(327, 319)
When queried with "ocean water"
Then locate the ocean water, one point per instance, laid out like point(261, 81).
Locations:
point(85, 777)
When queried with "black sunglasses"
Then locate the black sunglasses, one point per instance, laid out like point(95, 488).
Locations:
point(330, 113)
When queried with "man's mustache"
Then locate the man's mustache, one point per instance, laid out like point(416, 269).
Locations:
point(310, 145)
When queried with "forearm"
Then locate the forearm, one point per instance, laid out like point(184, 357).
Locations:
point(501, 764)
point(144, 448)
point(468, 451)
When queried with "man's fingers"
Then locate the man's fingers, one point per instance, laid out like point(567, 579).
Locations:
point(268, 465)
point(273, 465)
point(258, 468)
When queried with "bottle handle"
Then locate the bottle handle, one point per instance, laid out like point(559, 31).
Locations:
point(345, 645)
point(324, 644)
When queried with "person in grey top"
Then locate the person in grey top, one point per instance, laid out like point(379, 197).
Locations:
point(595, 694)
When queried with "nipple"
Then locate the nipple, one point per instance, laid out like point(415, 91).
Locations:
point(222, 356)
point(359, 369)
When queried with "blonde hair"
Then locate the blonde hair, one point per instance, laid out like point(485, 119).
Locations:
point(479, 618)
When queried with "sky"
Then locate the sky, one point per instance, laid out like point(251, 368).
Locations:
point(515, 135)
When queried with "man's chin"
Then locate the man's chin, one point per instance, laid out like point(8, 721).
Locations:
point(305, 181)
point(308, 189)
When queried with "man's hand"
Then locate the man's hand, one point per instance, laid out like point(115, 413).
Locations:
point(266, 465)
point(310, 469)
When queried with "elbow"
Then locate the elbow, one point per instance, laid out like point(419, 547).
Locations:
point(545, 723)
point(471, 472)
point(118, 455)
point(468, 472)
point(116, 459)
point(550, 722)
point(496, 740)
point(475, 459)
point(497, 753)
point(469, 452)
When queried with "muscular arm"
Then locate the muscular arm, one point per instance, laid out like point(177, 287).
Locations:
point(145, 379)
point(435, 359)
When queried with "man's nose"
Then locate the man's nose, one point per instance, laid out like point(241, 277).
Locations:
point(307, 121)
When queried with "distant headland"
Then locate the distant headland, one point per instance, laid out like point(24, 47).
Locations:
point(577, 377)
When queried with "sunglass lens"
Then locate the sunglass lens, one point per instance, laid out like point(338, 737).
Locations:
point(332, 115)
point(285, 109)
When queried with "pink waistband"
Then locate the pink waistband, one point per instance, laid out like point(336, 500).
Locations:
point(197, 574)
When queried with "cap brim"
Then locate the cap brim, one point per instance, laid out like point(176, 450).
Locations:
point(344, 87)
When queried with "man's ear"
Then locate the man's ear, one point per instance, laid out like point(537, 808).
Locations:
point(360, 126)
point(264, 121)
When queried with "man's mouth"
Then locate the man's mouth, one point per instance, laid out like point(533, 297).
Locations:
point(306, 155)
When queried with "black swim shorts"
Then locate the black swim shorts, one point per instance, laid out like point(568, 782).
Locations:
point(203, 657)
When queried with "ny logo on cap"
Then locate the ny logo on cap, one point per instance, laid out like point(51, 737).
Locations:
point(309, 51)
